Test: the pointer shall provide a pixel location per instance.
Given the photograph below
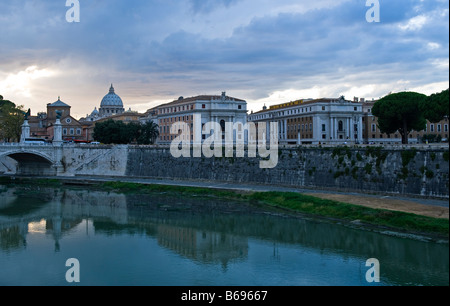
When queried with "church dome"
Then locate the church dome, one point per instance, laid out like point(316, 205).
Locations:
point(95, 112)
point(111, 99)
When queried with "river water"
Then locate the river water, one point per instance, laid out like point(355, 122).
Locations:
point(165, 239)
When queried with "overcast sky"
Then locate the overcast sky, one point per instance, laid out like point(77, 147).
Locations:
point(262, 51)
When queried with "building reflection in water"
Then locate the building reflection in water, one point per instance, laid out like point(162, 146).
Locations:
point(212, 231)
point(203, 246)
point(69, 208)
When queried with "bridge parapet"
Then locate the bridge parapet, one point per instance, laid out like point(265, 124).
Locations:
point(31, 158)
point(63, 159)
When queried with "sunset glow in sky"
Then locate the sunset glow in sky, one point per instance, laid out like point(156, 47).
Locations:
point(263, 51)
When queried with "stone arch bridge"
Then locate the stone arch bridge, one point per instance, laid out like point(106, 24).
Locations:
point(62, 160)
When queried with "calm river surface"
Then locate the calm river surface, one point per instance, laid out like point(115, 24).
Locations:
point(169, 240)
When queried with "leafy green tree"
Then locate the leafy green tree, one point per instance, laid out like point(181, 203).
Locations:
point(149, 133)
point(436, 106)
point(118, 132)
point(5, 102)
point(11, 120)
point(400, 112)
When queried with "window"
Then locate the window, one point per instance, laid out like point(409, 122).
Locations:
point(203, 105)
point(355, 109)
point(323, 108)
point(72, 131)
point(432, 128)
point(78, 131)
point(240, 107)
point(438, 127)
point(445, 127)
point(340, 126)
point(64, 131)
point(324, 127)
point(374, 128)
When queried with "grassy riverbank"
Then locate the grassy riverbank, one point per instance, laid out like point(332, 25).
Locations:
point(309, 205)
point(306, 205)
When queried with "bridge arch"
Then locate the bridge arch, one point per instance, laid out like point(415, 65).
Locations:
point(31, 162)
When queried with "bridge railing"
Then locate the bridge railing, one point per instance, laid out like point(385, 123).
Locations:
point(18, 144)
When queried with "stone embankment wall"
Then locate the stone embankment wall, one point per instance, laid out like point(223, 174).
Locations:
point(94, 160)
point(413, 171)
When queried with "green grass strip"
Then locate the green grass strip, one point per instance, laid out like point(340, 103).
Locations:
point(310, 205)
point(292, 201)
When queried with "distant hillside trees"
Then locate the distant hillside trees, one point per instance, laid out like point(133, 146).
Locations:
point(118, 132)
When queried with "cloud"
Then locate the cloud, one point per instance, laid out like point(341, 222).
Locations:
point(158, 50)
point(206, 6)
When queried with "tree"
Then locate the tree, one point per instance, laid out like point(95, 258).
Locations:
point(400, 112)
point(149, 133)
point(11, 120)
point(109, 132)
point(5, 102)
point(118, 132)
point(436, 106)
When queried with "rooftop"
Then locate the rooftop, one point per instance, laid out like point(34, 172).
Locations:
point(58, 103)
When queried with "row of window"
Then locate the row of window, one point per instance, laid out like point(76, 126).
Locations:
point(302, 136)
point(176, 119)
point(112, 111)
point(166, 129)
point(175, 109)
point(72, 132)
point(432, 126)
point(303, 127)
point(302, 119)
point(291, 112)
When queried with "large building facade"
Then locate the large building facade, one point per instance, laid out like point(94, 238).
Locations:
point(315, 121)
point(195, 113)
point(41, 126)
